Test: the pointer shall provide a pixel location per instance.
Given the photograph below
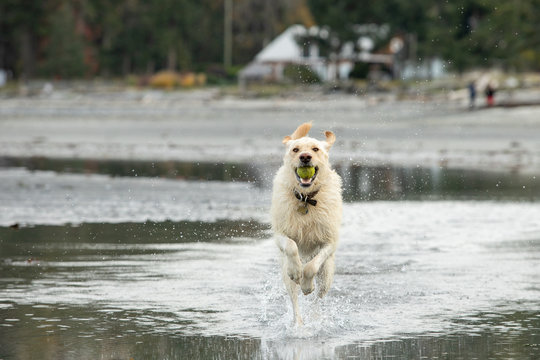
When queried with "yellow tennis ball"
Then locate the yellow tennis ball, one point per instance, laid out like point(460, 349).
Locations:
point(306, 172)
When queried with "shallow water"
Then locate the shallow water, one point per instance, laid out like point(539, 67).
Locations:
point(360, 182)
point(158, 268)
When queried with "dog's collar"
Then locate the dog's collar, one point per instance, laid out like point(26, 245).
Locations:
point(307, 198)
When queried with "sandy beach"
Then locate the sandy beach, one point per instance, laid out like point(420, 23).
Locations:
point(203, 125)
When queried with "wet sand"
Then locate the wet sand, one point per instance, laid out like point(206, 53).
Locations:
point(201, 126)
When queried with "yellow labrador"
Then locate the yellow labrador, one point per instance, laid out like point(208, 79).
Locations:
point(306, 215)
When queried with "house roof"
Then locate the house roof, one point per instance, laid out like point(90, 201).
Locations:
point(284, 47)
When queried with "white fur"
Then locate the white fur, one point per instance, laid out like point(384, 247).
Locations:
point(307, 241)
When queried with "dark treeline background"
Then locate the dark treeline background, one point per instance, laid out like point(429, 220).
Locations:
point(87, 38)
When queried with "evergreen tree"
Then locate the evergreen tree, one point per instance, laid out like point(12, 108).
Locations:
point(64, 49)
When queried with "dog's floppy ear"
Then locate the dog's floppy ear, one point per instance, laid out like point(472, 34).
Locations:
point(300, 132)
point(330, 139)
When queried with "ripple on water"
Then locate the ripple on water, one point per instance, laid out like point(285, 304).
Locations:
point(390, 284)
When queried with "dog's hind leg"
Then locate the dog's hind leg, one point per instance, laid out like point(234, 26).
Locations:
point(292, 289)
point(325, 277)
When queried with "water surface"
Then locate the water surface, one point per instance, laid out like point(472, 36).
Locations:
point(95, 266)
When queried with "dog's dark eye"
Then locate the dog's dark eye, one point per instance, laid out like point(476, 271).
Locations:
point(315, 149)
point(295, 150)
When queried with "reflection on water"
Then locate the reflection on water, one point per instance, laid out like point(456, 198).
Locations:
point(398, 183)
point(360, 182)
point(507, 336)
point(101, 333)
point(167, 169)
point(133, 233)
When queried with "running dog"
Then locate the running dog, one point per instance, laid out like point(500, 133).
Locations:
point(306, 214)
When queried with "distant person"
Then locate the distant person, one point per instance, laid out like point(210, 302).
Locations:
point(490, 94)
point(472, 94)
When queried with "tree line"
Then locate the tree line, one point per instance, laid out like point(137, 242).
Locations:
point(87, 38)
point(466, 33)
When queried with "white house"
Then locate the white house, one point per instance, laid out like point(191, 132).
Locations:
point(270, 62)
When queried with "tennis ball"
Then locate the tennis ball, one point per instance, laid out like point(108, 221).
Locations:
point(305, 172)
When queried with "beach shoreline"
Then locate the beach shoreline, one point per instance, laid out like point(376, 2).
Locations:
point(202, 126)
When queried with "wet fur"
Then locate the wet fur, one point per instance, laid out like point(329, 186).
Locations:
point(307, 242)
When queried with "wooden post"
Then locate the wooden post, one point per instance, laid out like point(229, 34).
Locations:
point(227, 41)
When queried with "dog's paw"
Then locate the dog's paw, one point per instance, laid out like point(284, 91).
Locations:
point(294, 271)
point(307, 279)
point(307, 285)
point(309, 270)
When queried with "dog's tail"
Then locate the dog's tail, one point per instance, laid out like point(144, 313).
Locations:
point(300, 132)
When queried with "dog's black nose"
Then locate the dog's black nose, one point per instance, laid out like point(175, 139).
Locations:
point(305, 158)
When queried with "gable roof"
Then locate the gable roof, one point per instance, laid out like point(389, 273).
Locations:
point(284, 47)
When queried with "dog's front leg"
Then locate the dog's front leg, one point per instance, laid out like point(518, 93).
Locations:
point(313, 266)
point(293, 263)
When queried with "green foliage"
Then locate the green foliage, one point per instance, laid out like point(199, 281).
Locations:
point(300, 74)
point(360, 71)
point(144, 36)
point(64, 54)
point(467, 33)
point(21, 26)
point(119, 37)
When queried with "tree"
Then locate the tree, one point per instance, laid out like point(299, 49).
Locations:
point(467, 33)
point(21, 27)
point(64, 48)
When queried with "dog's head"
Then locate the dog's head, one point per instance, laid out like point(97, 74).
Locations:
point(304, 151)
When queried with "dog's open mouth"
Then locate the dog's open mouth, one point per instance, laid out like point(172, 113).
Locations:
point(306, 182)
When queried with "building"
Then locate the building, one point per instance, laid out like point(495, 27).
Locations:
point(269, 64)
point(287, 48)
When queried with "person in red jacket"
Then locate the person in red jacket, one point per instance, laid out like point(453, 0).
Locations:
point(490, 94)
